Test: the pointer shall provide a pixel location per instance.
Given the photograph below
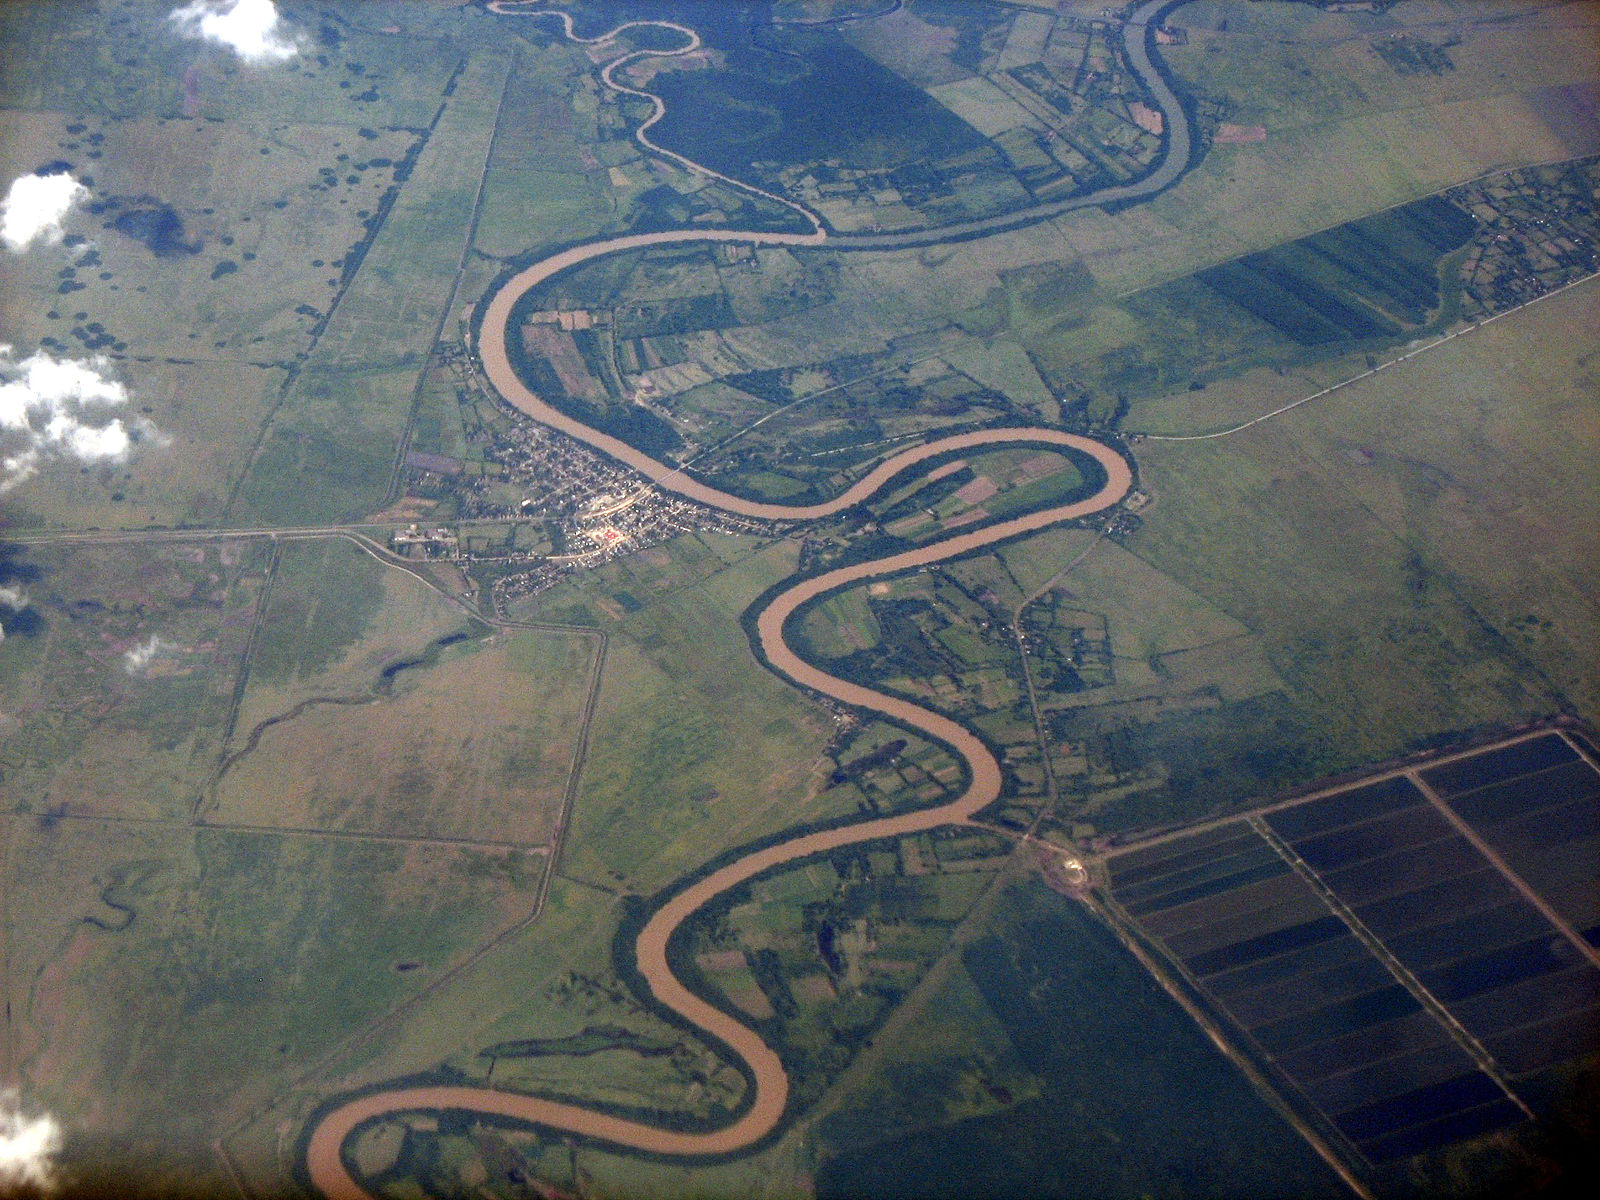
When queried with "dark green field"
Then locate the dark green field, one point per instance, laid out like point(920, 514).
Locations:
point(1131, 1099)
point(799, 97)
point(1369, 279)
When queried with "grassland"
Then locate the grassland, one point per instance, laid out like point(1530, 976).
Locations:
point(1443, 604)
point(337, 618)
point(693, 744)
point(268, 199)
point(117, 678)
point(267, 255)
point(235, 961)
point(181, 475)
point(551, 979)
point(539, 188)
point(1225, 647)
point(331, 446)
point(220, 234)
point(477, 744)
point(1095, 1052)
point(130, 62)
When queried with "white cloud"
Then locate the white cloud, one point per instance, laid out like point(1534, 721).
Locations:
point(43, 405)
point(28, 1146)
point(34, 207)
point(251, 28)
point(16, 600)
point(139, 657)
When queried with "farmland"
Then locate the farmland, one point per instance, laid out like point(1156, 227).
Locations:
point(1392, 975)
point(1535, 805)
point(679, 352)
point(409, 790)
point(1006, 1082)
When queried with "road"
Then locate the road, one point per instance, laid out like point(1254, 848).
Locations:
point(324, 1161)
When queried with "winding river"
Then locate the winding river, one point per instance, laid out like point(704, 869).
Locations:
point(768, 1098)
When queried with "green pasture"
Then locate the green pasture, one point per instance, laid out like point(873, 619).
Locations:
point(117, 676)
point(1047, 1063)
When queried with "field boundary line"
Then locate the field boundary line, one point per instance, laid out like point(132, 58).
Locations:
point(1052, 792)
point(1125, 928)
point(1015, 865)
point(180, 825)
point(1367, 374)
point(580, 756)
point(361, 1034)
point(263, 602)
point(1392, 771)
point(1402, 974)
point(1581, 748)
point(397, 472)
point(297, 367)
point(220, 1149)
point(1526, 891)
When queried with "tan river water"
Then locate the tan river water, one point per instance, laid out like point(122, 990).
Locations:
point(325, 1162)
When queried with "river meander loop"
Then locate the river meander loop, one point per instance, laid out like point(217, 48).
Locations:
point(325, 1161)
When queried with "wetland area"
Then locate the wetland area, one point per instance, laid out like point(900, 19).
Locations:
point(809, 599)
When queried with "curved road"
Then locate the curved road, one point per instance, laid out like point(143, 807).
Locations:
point(324, 1152)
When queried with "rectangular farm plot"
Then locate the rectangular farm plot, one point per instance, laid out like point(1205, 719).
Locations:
point(1471, 934)
point(1240, 912)
point(476, 743)
point(1537, 805)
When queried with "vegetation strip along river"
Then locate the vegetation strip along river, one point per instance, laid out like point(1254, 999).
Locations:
point(325, 1161)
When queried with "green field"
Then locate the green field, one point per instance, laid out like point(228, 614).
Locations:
point(818, 955)
point(1420, 619)
point(550, 979)
point(694, 745)
point(327, 452)
point(224, 247)
point(475, 741)
point(283, 821)
point(335, 620)
point(1048, 1064)
point(117, 677)
point(207, 939)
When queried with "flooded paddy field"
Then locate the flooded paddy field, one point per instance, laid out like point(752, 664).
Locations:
point(1538, 805)
point(1412, 958)
point(1308, 996)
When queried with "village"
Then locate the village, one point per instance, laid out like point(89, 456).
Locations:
point(1540, 230)
point(550, 506)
